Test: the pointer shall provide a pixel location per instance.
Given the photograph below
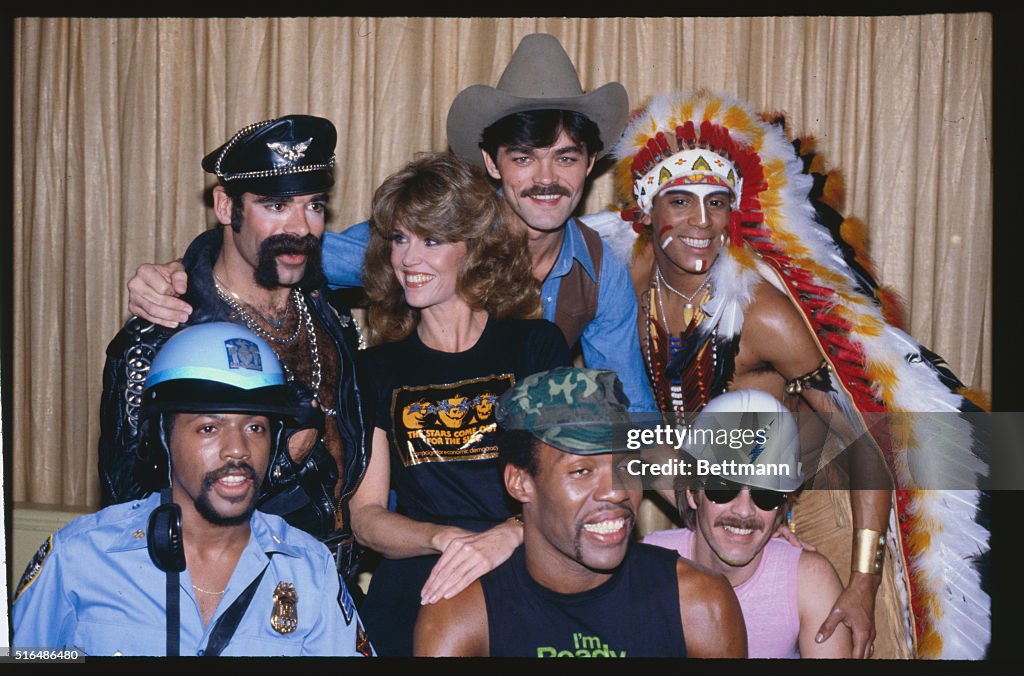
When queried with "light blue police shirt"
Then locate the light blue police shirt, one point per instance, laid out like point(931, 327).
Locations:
point(92, 586)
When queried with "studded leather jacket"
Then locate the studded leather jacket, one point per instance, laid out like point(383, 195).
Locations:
point(302, 494)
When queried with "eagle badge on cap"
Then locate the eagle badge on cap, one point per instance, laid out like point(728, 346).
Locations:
point(290, 152)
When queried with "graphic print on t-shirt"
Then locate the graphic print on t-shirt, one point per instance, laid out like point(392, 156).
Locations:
point(447, 423)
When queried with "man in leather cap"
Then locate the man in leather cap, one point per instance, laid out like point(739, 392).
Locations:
point(261, 268)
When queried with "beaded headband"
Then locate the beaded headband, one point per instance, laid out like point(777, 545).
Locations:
point(694, 166)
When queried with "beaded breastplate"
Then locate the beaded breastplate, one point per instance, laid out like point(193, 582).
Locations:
point(691, 389)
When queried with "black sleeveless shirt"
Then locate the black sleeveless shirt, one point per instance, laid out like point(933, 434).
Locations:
point(635, 613)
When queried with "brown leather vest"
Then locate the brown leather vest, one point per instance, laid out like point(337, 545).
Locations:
point(577, 294)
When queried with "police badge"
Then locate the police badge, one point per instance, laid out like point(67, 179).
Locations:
point(284, 618)
point(243, 354)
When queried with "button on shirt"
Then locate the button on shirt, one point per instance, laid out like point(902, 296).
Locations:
point(609, 341)
point(93, 587)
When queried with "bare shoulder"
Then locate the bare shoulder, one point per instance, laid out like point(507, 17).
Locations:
point(817, 577)
point(455, 627)
point(815, 566)
point(775, 332)
point(818, 586)
point(711, 616)
point(696, 579)
point(771, 308)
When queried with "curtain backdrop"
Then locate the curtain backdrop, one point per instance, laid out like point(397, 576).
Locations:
point(112, 116)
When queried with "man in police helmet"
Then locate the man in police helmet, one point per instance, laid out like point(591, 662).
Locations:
point(748, 445)
point(194, 569)
point(262, 269)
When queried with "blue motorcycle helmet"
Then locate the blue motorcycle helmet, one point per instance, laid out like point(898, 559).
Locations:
point(217, 367)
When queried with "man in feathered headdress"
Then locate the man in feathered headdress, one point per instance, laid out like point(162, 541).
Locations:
point(744, 282)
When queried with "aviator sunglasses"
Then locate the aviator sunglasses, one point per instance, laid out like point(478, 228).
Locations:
point(722, 491)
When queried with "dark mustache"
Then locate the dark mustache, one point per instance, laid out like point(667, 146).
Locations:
point(542, 190)
point(231, 467)
point(279, 244)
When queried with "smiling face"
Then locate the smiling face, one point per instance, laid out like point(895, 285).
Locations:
point(732, 535)
point(542, 186)
point(578, 522)
point(484, 405)
point(277, 237)
point(687, 227)
point(427, 269)
point(453, 411)
point(218, 461)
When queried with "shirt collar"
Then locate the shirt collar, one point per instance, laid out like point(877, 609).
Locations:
point(574, 248)
point(268, 537)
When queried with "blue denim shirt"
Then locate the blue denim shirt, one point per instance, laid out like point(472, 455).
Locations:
point(609, 341)
point(93, 587)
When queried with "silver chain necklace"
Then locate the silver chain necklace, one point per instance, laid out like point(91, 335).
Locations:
point(232, 300)
point(688, 299)
point(306, 318)
point(305, 322)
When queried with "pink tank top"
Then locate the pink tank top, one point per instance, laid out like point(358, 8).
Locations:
point(768, 599)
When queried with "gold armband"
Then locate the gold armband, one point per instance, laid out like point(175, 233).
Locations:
point(868, 551)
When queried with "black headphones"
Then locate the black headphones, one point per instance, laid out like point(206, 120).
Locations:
point(163, 538)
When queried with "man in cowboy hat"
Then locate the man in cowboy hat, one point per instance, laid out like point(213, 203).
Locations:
point(731, 515)
point(261, 268)
point(579, 586)
point(538, 134)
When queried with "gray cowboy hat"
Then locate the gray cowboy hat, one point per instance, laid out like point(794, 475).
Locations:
point(539, 76)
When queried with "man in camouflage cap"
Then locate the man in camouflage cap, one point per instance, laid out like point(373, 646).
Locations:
point(579, 586)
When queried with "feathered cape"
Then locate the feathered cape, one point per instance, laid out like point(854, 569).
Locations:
point(788, 231)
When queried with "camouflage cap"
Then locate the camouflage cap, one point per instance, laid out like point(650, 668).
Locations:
point(578, 410)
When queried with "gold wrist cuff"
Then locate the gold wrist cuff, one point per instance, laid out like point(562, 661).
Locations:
point(868, 551)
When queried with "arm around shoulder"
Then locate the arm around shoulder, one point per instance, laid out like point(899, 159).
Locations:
point(124, 373)
point(818, 588)
point(455, 627)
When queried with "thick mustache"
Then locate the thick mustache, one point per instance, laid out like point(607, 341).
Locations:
point(752, 523)
point(277, 245)
point(230, 468)
point(543, 190)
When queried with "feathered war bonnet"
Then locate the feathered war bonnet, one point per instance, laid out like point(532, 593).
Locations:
point(772, 221)
point(776, 236)
point(703, 138)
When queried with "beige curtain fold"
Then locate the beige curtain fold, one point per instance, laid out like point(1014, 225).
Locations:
point(111, 118)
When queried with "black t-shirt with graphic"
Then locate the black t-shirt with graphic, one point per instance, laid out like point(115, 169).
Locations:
point(438, 411)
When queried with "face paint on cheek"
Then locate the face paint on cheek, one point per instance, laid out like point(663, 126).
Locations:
point(661, 232)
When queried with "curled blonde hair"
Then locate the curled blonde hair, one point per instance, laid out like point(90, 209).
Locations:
point(440, 196)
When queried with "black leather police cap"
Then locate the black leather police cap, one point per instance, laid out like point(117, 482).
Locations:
point(291, 155)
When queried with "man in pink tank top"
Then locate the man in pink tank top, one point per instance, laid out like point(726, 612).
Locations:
point(744, 490)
